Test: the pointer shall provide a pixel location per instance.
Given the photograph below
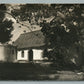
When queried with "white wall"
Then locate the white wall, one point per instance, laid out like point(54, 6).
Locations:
point(6, 54)
point(37, 54)
point(19, 55)
point(2, 53)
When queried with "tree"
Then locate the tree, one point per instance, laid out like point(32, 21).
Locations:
point(63, 31)
point(5, 25)
point(66, 29)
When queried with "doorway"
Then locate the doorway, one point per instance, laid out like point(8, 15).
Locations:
point(30, 55)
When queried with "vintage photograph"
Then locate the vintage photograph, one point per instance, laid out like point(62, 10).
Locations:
point(42, 42)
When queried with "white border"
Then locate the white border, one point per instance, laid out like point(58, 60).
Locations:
point(42, 1)
point(47, 2)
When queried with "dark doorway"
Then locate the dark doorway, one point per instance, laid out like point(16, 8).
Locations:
point(30, 55)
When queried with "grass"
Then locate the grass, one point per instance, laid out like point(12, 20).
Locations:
point(29, 71)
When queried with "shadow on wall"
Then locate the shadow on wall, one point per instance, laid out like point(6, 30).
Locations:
point(7, 53)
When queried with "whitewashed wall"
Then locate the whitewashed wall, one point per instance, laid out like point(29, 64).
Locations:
point(2, 53)
point(37, 55)
point(6, 54)
point(19, 55)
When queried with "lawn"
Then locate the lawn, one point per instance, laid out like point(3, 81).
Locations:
point(29, 71)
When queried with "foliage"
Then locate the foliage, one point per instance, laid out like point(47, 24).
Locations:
point(67, 21)
point(5, 25)
point(65, 29)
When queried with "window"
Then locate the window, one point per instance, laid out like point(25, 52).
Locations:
point(22, 53)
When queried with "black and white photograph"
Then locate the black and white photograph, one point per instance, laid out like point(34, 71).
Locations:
point(42, 42)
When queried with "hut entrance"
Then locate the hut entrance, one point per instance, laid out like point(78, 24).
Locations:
point(30, 55)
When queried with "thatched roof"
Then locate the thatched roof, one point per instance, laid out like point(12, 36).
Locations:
point(33, 39)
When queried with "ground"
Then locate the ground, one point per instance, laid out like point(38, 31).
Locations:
point(10, 71)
